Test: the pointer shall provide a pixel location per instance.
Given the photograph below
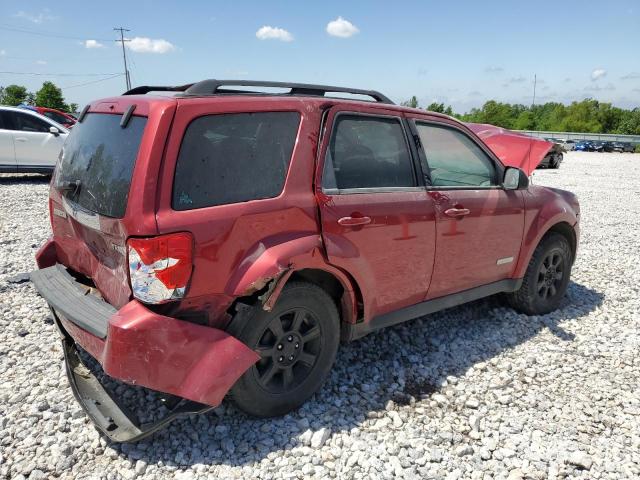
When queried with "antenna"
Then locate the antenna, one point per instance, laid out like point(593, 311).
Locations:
point(124, 54)
point(533, 104)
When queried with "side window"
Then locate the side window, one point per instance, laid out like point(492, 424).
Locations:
point(28, 123)
point(56, 117)
point(367, 152)
point(453, 159)
point(231, 158)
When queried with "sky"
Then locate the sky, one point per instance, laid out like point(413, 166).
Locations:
point(462, 53)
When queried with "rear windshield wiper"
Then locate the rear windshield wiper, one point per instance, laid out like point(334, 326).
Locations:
point(68, 186)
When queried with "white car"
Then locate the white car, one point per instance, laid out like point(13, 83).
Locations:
point(29, 142)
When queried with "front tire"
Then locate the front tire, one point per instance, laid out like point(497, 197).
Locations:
point(297, 342)
point(546, 279)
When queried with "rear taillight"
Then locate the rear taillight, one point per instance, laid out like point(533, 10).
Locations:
point(160, 267)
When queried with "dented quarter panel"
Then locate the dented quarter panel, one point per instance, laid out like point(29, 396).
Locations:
point(242, 247)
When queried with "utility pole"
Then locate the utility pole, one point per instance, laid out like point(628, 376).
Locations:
point(124, 55)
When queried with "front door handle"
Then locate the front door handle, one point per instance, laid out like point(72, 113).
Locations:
point(457, 212)
point(21, 139)
point(354, 221)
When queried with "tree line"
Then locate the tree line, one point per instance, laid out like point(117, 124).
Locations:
point(49, 96)
point(587, 116)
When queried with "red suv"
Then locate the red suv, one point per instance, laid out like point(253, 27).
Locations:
point(223, 240)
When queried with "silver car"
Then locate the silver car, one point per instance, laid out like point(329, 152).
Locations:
point(29, 142)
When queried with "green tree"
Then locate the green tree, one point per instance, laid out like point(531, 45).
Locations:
point(630, 122)
point(50, 96)
point(412, 102)
point(13, 95)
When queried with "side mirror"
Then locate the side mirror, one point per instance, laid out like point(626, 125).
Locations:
point(54, 130)
point(515, 179)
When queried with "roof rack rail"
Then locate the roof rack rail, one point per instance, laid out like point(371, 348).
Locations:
point(216, 87)
point(146, 89)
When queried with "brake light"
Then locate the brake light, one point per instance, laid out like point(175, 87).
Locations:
point(160, 267)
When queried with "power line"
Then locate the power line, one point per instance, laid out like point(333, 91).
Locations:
point(50, 34)
point(124, 55)
point(60, 74)
point(93, 81)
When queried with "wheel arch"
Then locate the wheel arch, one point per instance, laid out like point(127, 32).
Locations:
point(559, 225)
point(567, 231)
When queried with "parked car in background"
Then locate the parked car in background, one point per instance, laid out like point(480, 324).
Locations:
point(553, 158)
point(607, 146)
point(584, 146)
point(220, 241)
point(65, 119)
point(29, 142)
point(623, 147)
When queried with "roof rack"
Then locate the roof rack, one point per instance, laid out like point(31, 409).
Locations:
point(216, 87)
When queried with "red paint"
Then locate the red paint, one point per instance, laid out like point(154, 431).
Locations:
point(388, 250)
point(469, 246)
point(168, 355)
point(512, 148)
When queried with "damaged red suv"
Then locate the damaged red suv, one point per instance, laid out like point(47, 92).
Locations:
point(224, 240)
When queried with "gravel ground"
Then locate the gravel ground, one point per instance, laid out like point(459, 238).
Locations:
point(477, 391)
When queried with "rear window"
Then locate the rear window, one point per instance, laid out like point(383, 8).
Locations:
point(100, 155)
point(231, 158)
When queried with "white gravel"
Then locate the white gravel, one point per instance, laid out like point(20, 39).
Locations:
point(474, 392)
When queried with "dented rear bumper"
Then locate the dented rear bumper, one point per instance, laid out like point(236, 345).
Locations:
point(139, 347)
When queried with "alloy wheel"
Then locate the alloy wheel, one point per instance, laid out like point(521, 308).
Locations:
point(288, 348)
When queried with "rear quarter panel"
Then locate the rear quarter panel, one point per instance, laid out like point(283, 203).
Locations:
point(239, 245)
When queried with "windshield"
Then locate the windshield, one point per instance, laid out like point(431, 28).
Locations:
point(97, 163)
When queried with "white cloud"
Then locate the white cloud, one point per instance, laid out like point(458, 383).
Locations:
point(598, 73)
point(43, 16)
point(41, 62)
point(148, 45)
point(274, 33)
point(3, 53)
point(92, 44)
point(342, 28)
point(494, 69)
point(631, 76)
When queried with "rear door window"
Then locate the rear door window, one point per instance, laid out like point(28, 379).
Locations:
point(367, 152)
point(231, 158)
point(99, 156)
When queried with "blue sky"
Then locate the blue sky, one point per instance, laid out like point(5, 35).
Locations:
point(461, 53)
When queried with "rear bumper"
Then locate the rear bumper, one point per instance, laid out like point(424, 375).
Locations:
point(140, 347)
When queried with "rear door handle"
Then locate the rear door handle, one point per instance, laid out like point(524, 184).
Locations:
point(354, 221)
point(457, 212)
point(21, 139)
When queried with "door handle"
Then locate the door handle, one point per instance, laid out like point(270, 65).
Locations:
point(354, 221)
point(21, 139)
point(457, 212)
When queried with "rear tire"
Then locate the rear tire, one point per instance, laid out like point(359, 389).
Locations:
point(297, 341)
point(546, 279)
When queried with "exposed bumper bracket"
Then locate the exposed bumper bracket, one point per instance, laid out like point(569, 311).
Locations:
point(112, 418)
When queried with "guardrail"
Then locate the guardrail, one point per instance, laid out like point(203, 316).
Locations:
point(605, 137)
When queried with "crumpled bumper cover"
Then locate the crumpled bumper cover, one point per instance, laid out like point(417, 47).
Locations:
point(140, 347)
point(111, 417)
